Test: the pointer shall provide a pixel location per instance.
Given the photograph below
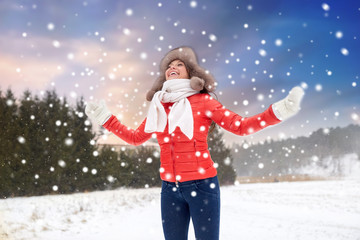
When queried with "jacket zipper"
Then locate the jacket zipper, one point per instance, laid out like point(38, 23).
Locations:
point(197, 162)
point(173, 159)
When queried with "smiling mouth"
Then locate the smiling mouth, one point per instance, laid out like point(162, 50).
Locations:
point(173, 74)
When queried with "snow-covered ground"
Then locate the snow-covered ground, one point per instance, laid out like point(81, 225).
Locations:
point(317, 210)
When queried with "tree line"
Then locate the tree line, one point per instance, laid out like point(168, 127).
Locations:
point(322, 148)
point(48, 146)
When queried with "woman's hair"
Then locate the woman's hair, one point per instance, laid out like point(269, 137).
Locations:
point(213, 124)
point(204, 90)
point(191, 71)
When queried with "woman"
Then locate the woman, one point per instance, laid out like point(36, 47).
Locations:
point(180, 113)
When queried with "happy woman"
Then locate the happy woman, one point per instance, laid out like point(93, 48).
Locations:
point(181, 113)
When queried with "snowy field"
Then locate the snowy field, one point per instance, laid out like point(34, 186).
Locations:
point(328, 210)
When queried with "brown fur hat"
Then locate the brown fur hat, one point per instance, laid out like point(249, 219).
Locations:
point(200, 79)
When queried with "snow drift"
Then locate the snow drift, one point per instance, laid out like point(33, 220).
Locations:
point(284, 211)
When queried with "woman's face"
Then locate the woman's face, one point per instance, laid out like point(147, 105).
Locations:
point(176, 70)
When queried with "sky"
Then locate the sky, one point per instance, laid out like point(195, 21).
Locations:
point(256, 50)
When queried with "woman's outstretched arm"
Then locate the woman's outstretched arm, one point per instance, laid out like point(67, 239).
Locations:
point(99, 113)
point(239, 125)
point(235, 123)
point(131, 136)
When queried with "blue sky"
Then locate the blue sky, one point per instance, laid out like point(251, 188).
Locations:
point(257, 51)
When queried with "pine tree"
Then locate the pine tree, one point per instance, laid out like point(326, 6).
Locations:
point(125, 175)
point(221, 155)
point(84, 164)
point(50, 132)
point(147, 164)
point(11, 141)
point(30, 151)
point(109, 168)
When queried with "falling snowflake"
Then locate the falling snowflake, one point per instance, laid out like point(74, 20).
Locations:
point(193, 4)
point(262, 52)
point(50, 26)
point(325, 6)
point(9, 102)
point(21, 139)
point(326, 131)
point(304, 85)
point(344, 51)
point(143, 56)
point(156, 154)
point(129, 12)
point(62, 163)
point(354, 116)
point(70, 56)
point(338, 34)
point(110, 178)
point(212, 38)
point(278, 42)
point(260, 97)
point(69, 141)
point(126, 31)
point(318, 87)
point(227, 161)
point(315, 158)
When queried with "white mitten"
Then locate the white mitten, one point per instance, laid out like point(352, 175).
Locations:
point(290, 105)
point(98, 112)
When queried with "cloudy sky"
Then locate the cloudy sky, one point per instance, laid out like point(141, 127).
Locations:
point(257, 51)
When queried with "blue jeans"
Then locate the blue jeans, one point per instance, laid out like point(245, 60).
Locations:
point(198, 199)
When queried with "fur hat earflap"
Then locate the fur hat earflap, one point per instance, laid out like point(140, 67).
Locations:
point(197, 83)
point(157, 86)
point(200, 79)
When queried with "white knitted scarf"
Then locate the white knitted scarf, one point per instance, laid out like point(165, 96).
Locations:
point(176, 91)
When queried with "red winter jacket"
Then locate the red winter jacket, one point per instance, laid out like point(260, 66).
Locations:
point(183, 159)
